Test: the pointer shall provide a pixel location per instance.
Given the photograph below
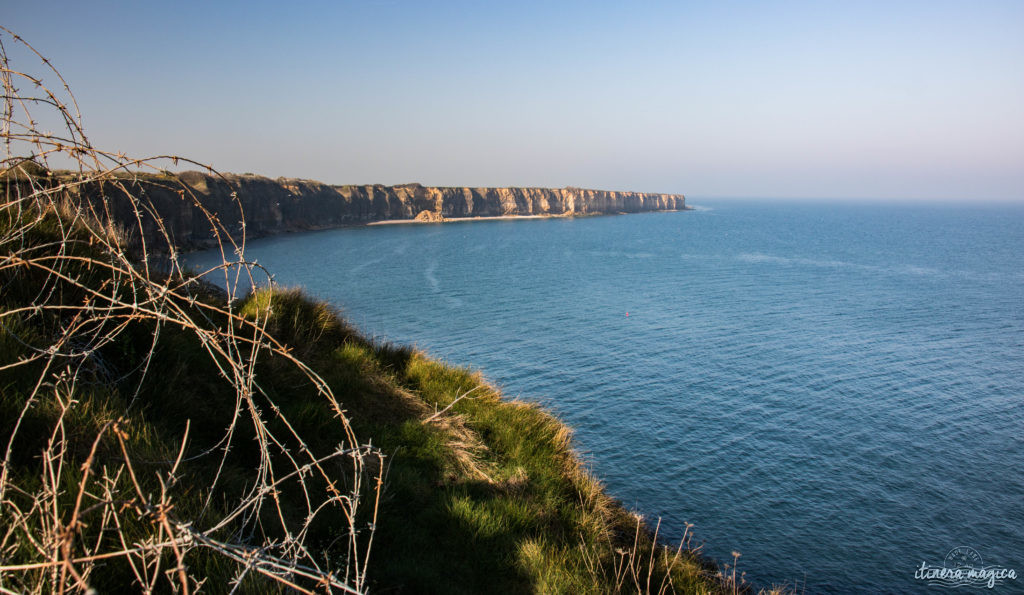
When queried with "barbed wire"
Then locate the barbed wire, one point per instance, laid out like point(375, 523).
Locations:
point(91, 275)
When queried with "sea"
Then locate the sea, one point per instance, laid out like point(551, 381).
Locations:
point(833, 390)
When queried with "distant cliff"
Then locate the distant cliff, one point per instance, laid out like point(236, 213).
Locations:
point(274, 206)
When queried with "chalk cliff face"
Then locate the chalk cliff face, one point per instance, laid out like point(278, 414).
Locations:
point(274, 206)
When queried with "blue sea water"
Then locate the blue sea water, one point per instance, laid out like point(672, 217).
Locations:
point(834, 390)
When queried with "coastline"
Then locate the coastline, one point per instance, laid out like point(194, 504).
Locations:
point(257, 206)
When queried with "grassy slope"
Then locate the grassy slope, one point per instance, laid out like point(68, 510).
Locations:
point(484, 496)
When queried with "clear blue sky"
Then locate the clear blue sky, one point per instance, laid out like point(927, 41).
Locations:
point(895, 99)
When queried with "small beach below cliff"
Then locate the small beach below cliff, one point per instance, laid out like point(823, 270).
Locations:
point(465, 219)
point(501, 218)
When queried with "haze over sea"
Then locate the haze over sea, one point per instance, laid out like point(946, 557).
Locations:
point(833, 390)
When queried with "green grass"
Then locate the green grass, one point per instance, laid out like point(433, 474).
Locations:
point(487, 496)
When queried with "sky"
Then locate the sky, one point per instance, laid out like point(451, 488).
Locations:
point(865, 100)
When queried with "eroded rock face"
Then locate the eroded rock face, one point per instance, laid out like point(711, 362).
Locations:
point(429, 217)
point(266, 206)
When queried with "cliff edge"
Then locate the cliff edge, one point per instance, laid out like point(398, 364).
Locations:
point(266, 207)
